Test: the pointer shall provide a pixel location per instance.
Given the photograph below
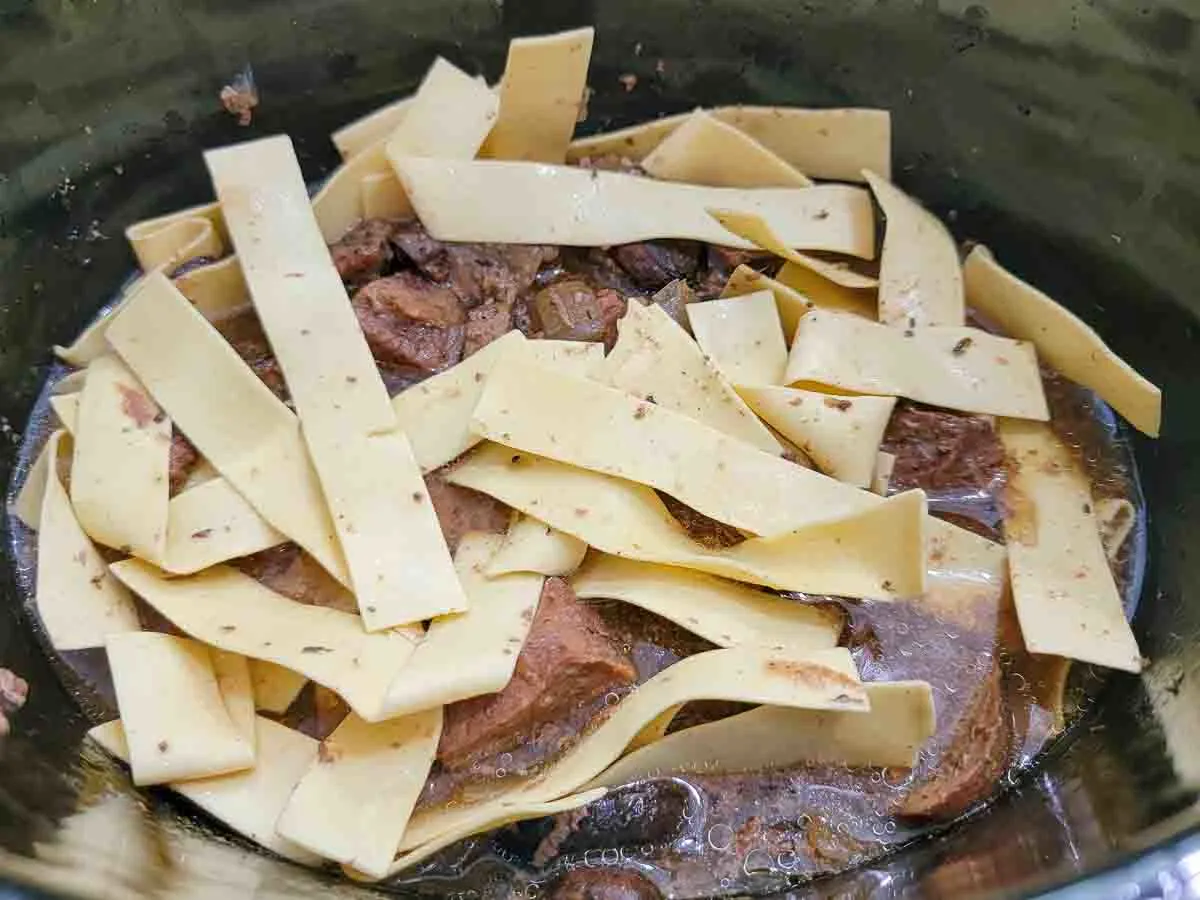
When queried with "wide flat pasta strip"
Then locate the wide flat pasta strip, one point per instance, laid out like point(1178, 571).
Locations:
point(743, 335)
point(486, 819)
point(826, 294)
point(210, 524)
point(166, 241)
point(354, 802)
point(79, 603)
point(757, 231)
point(790, 304)
point(958, 368)
point(878, 553)
point(176, 721)
point(820, 679)
point(236, 685)
point(533, 546)
point(835, 144)
point(28, 504)
point(400, 570)
point(1062, 339)
point(274, 686)
point(705, 150)
point(841, 435)
point(540, 204)
point(898, 723)
point(232, 611)
point(436, 413)
point(474, 652)
point(1067, 601)
point(364, 132)
point(724, 612)
point(885, 464)
point(920, 279)
point(540, 96)
point(338, 205)
point(119, 471)
point(217, 290)
point(655, 357)
point(239, 426)
point(249, 802)
point(383, 197)
point(587, 424)
point(448, 118)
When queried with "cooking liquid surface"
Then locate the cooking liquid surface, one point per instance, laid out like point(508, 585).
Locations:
point(709, 833)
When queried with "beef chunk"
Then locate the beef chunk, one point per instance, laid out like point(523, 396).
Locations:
point(652, 264)
point(316, 712)
point(485, 324)
point(574, 309)
point(245, 334)
point(599, 268)
point(477, 273)
point(938, 450)
point(410, 321)
point(183, 458)
point(604, 884)
point(289, 571)
point(649, 812)
point(568, 661)
point(460, 510)
point(365, 251)
point(719, 265)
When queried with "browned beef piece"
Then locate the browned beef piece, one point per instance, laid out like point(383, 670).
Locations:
point(365, 251)
point(461, 509)
point(719, 265)
point(700, 528)
point(485, 324)
point(410, 321)
point(317, 711)
point(568, 661)
point(477, 273)
point(183, 458)
point(604, 884)
point(674, 299)
point(574, 309)
point(289, 571)
point(245, 334)
point(939, 450)
point(599, 268)
point(652, 264)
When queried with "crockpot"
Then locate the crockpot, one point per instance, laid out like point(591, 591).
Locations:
point(1065, 135)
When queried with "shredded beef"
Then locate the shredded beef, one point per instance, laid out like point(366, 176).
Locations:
point(568, 661)
point(651, 264)
point(939, 450)
point(410, 321)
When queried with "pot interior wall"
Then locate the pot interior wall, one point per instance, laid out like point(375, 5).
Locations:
point(1065, 136)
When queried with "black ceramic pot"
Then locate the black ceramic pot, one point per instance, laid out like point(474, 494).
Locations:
point(1065, 135)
